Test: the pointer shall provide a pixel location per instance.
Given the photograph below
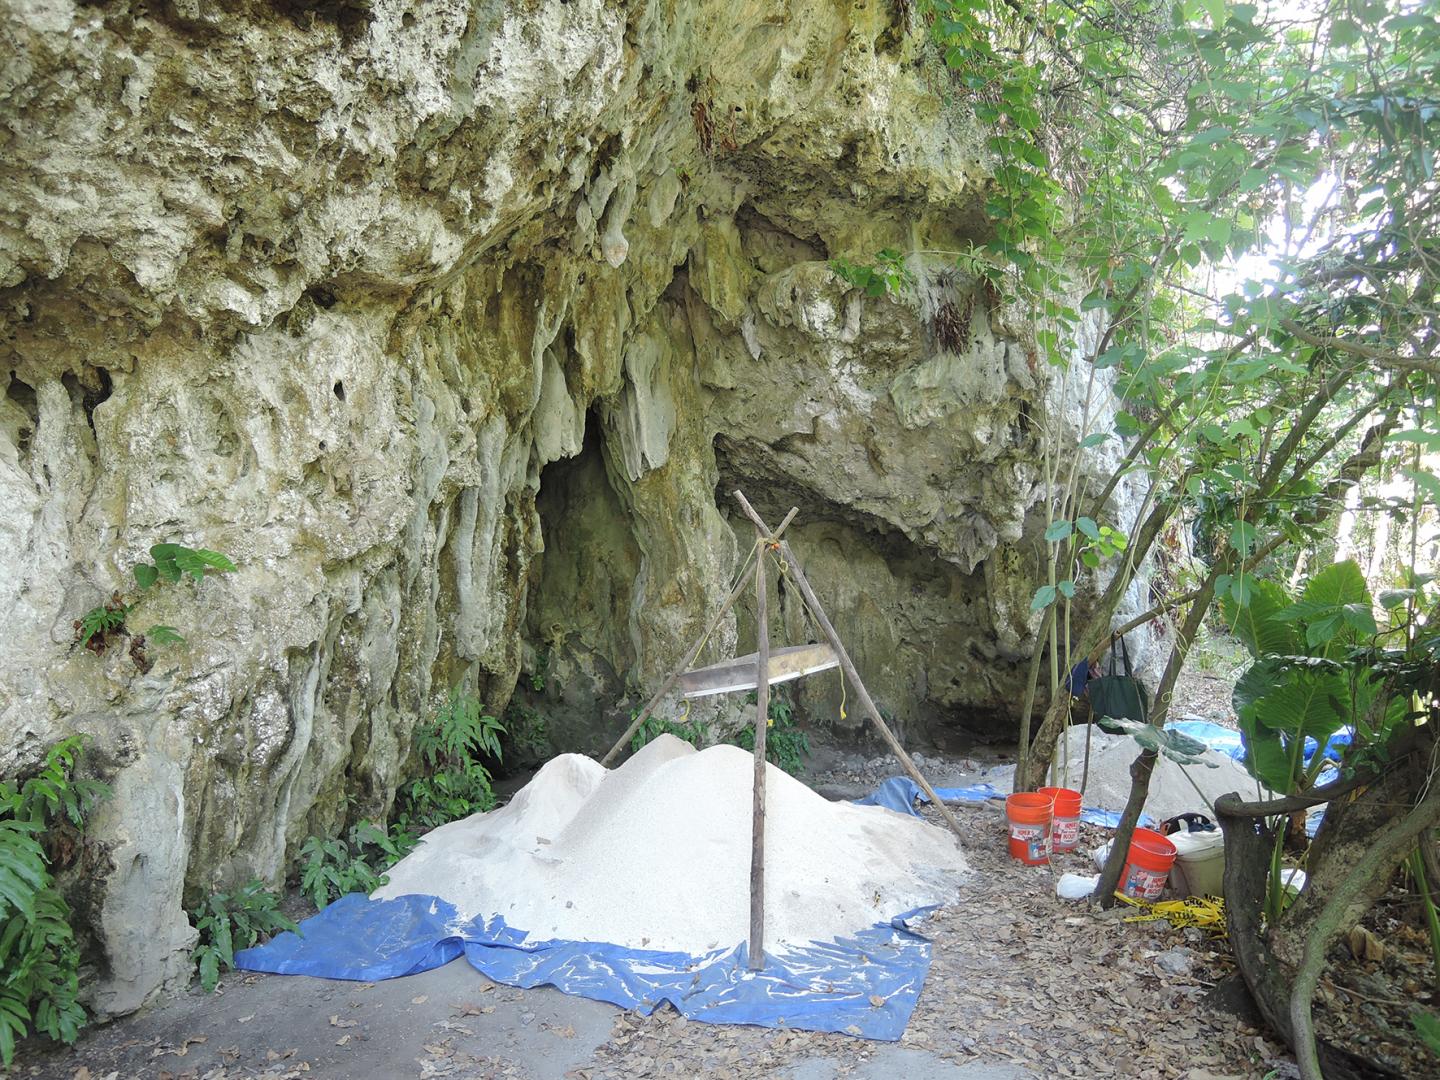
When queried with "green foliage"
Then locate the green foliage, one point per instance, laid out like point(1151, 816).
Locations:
point(96, 627)
point(331, 869)
point(540, 675)
point(173, 561)
point(527, 733)
point(228, 922)
point(786, 745)
point(1427, 1026)
point(887, 275)
point(692, 731)
point(39, 957)
point(448, 795)
point(459, 732)
point(98, 622)
point(456, 784)
point(1310, 675)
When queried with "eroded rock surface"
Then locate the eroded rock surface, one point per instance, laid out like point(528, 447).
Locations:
point(453, 323)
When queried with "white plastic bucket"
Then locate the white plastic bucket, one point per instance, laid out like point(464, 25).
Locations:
point(1199, 863)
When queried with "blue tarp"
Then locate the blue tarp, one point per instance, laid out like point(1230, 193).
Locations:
point(865, 985)
point(900, 792)
point(1230, 743)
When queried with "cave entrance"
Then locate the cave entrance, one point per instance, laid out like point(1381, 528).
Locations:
point(577, 623)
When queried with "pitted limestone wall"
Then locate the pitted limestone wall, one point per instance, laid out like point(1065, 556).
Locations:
point(333, 287)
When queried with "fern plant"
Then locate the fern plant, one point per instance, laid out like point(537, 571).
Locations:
point(459, 732)
point(231, 921)
point(456, 784)
point(335, 868)
point(39, 957)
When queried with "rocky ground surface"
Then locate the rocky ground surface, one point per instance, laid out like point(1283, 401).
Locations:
point(1023, 985)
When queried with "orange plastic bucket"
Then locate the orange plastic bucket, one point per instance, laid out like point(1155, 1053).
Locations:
point(1065, 826)
point(1147, 865)
point(1029, 815)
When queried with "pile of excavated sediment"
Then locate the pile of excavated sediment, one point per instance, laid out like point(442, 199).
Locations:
point(656, 855)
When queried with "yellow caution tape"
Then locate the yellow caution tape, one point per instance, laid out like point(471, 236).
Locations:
point(1206, 912)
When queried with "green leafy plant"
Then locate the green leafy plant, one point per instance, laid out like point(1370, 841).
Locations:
point(540, 675)
point(1427, 1026)
point(786, 745)
point(331, 869)
point(173, 561)
point(527, 733)
point(457, 783)
point(887, 275)
point(101, 626)
point(228, 922)
point(692, 731)
point(460, 731)
point(1309, 677)
point(99, 622)
point(41, 823)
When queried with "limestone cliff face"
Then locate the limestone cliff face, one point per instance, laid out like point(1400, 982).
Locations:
point(453, 323)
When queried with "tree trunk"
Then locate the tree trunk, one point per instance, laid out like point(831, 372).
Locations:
point(1144, 766)
point(1270, 959)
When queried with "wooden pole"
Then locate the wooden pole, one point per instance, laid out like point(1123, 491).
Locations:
point(762, 724)
point(674, 677)
point(848, 666)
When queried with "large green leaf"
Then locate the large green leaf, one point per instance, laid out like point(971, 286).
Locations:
point(1256, 623)
point(1337, 585)
point(1265, 757)
point(1295, 702)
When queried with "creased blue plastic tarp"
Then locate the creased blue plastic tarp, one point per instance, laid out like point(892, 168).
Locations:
point(1221, 739)
point(865, 985)
point(900, 792)
point(1231, 744)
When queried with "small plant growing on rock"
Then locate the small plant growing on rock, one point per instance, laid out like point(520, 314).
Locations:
point(102, 626)
point(887, 275)
point(41, 830)
point(231, 921)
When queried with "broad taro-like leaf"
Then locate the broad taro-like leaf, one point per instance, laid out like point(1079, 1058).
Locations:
point(1257, 624)
point(1265, 756)
point(1173, 744)
point(1337, 585)
point(1296, 701)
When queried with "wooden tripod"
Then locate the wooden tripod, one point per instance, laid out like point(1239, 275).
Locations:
point(771, 543)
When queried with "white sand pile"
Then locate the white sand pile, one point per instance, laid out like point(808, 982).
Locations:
point(656, 854)
point(1170, 792)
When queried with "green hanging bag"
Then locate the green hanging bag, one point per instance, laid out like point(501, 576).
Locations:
point(1119, 696)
